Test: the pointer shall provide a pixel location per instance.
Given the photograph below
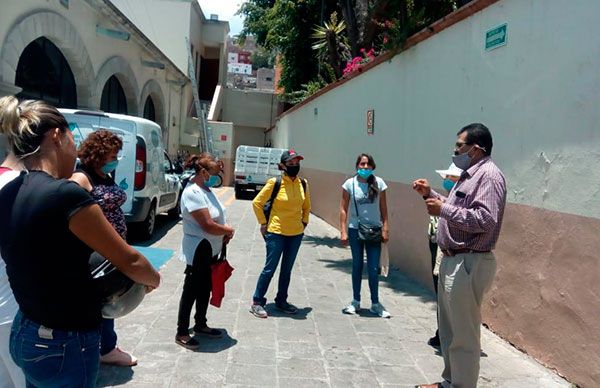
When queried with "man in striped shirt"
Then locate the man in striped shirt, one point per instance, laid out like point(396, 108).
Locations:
point(469, 226)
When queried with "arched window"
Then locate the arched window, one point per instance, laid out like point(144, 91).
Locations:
point(113, 97)
point(44, 74)
point(149, 111)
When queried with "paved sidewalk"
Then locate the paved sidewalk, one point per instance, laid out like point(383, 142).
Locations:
point(318, 347)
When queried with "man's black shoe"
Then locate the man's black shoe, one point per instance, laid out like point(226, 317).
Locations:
point(434, 342)
point(287, 308)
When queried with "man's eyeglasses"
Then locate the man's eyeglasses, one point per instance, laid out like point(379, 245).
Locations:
point(458, 145)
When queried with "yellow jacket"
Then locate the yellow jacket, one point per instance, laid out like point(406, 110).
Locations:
point(290, 208)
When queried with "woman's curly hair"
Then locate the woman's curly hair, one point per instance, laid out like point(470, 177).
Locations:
point(94, 149)
point(201, 161)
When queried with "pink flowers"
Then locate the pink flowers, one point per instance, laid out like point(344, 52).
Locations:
point(357, 63)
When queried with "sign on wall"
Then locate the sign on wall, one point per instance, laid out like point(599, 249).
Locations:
point(370, 121)
point(496, 37)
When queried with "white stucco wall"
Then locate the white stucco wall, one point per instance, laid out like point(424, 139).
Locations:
point(249, 108)
point(222, 133)
point(166, 23)
point(538, 95)
point(93, 58)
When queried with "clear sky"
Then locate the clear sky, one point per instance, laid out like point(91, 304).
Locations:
point(226, 10)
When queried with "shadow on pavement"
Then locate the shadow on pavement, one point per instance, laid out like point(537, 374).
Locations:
point(396, 280)
point(301, 314)
point(113, 375)
point(366, 313)
point(330, 242)
point(161, 228)
point(215, 345)
point(438, 352)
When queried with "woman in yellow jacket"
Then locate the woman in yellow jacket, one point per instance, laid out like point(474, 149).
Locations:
point(282, 231)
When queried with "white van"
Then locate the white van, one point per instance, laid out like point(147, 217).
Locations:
point(145, 171)
point(254, 166)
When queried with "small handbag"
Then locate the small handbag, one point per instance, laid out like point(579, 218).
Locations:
point(367, 233)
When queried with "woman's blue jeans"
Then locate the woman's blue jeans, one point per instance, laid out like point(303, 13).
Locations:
point(108, 339)
point(278, 247)
point(373, 255)
point(55, 358)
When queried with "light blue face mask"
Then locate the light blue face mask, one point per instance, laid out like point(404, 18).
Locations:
point(212, 181)
point(364, 173)
point(448, 184)
point(110, 167)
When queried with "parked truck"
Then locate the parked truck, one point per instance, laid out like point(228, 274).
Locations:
point(254, 166)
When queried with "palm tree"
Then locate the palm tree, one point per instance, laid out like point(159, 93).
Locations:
point(331, 44)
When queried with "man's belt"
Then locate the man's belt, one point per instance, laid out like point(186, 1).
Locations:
point(457, 251)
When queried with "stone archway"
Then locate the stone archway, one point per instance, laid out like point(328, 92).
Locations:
point(119, 67)
point(153, 90)
point(61, 33)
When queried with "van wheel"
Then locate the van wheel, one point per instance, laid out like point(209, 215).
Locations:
point(147, 226)
point(238, 193)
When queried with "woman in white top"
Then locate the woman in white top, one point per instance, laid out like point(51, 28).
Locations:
point(364, 194)
point(204, 235)
point(10, 374)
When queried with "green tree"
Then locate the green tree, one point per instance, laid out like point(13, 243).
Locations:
point(255, 13)
point(364, 18)
point(284, 27)
point(262, 58)
point(331, 44)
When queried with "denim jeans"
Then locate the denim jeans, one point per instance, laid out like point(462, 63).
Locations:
point(373, 255)
point(108, 336)
point(68, 359)
point(278, 247)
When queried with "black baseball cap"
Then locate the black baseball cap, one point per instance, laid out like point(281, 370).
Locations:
point(289, 155)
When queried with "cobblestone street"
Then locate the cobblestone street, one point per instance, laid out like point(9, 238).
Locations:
point(319, 346)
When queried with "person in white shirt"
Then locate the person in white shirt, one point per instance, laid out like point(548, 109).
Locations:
point(364, 204)
point(204, 235)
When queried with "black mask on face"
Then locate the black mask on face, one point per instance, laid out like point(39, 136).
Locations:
point(292, 170)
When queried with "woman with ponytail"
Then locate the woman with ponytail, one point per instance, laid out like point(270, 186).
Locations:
point(49, 226)
point(365, 196)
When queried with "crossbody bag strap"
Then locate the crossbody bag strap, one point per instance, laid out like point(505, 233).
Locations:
point(276, 188)
point(274, 193)
point(354, 198)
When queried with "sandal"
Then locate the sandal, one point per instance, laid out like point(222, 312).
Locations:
point(207, 331)
point(434, 385)
point(189, 343)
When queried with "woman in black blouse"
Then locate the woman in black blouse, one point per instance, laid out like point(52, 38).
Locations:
point(49, 226)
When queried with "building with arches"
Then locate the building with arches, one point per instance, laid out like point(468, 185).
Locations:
point(88, 54)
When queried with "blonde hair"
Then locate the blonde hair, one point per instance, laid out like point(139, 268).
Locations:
point(25, 124)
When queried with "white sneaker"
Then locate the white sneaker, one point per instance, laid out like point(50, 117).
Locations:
point(352, 308)
point(258, 311)
point(378, 309)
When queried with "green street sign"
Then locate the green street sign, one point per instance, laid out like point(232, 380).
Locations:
point(496, 37)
